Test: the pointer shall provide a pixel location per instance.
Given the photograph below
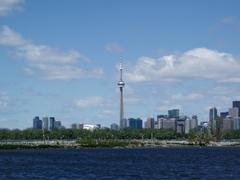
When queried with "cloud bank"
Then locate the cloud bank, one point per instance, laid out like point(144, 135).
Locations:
point(7, 6)
point(114, 47)
point(90, 102)
point(199, 63)
point(4, 101)
point(45, 61)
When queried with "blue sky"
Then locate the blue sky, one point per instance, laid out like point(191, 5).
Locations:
point(60, 58)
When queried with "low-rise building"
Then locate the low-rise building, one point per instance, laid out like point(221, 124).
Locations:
point(114, 126)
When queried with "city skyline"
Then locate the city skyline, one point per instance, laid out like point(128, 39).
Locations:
point(64, 62)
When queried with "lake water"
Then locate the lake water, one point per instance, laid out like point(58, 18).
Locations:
point(153, 163)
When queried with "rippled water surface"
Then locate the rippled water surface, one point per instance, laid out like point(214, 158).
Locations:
point(156, 163)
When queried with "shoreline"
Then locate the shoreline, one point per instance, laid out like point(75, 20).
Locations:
point(116, 145)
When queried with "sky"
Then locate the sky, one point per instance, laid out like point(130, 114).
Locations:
point(61, 59)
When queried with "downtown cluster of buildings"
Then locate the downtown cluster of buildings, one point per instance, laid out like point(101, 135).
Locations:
point(229, 120)
point(47, 123)
point(172, 120)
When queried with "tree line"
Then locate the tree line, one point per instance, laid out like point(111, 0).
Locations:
point(72, 134)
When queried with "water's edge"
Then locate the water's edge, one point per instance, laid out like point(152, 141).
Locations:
point(129, 145)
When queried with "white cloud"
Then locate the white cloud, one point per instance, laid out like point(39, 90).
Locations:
point(7, 6)
point(114, 47)
point(132, 100)
point(229, 20)
point(231, 80)
point(106, 113)
point(45, 54)
point(199, 63)
point(89, 102)
point(10, 38)
point(4, 101)
point(165, 107)
point(45, 61)
point(187, 97)
point(64, 72)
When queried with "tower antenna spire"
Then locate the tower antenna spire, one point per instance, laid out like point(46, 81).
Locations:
point(121, 69)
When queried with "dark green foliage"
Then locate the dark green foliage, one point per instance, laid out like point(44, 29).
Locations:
point(234, 134)
point(103, 134)
point(200, 137)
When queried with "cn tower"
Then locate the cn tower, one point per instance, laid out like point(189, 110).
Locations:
point(121, 85)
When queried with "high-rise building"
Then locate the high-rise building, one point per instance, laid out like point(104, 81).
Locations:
point(157, 124)
point(227, 124)
point(236, 123)
point(149, 123)
point(37, 123)
point(224, 114)
point(135, 123)
point(194, 122)
point(45, 123)
point(121, 84)
point(212, 113)
point(234, 112)
point(236, 104)
point(166, 123)
point(52, 123)
point(162, 116)
point(173, 113)
point(213, 119)
point(187, 125)
point(181, 123)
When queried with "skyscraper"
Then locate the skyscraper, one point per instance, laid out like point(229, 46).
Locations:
point(52, 123)
point(213, 119)
point(212, 113)
point(173, 113)
point(194, 122)
point(121, 84)
point(45, 123)
point(149, 124)
point(37, 123)
point(234, 112)
point(236, 104)
point(224, 114)
point(135, 123)
point(167, 123)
